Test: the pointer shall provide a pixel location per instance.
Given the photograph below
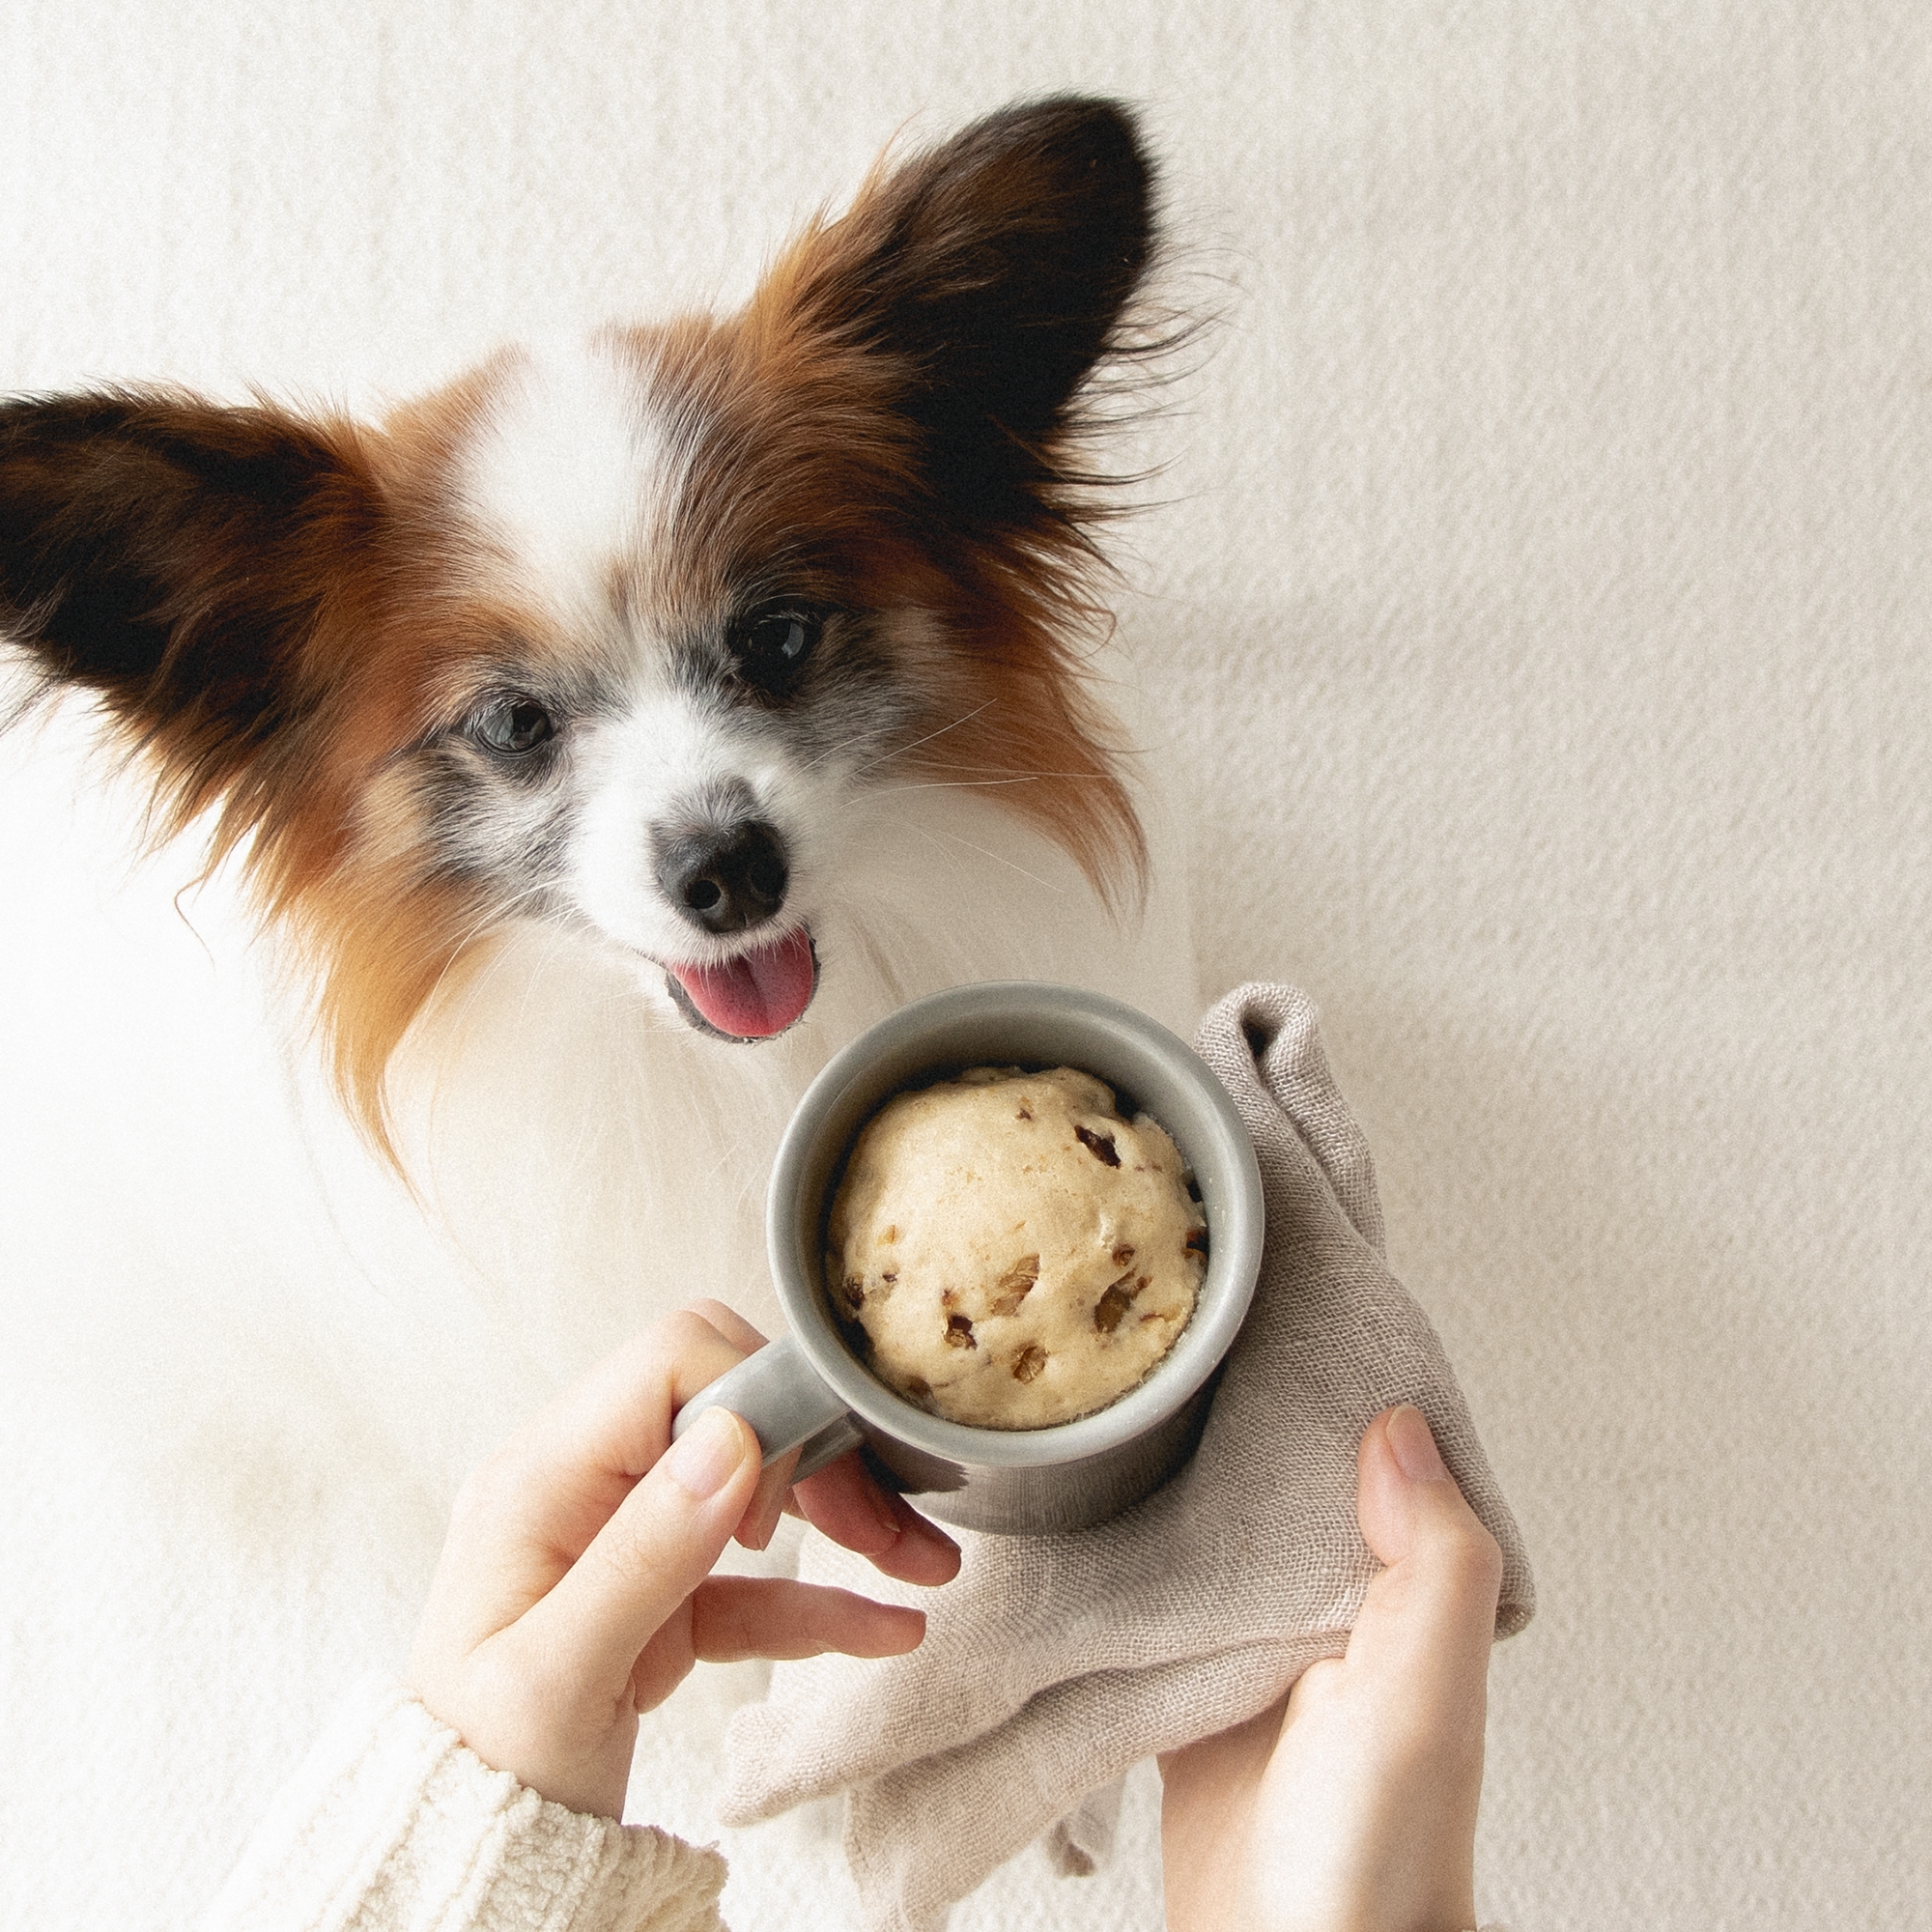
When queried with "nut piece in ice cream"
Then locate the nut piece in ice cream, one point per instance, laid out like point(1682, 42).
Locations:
point(1014, 1251)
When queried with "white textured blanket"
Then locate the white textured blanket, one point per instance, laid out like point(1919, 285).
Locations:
point(1536, 611)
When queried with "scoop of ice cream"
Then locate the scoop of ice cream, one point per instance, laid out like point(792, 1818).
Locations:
point(1015, 1252)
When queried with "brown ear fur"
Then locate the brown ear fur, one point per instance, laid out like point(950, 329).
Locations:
point(190, 566)
point(968, 296)
point(221, 579)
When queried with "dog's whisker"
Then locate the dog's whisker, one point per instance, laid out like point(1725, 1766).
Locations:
point(965, 718)
point(459, 1016)
point(831, 751)
point(820, 760)
point(493, 915)
point(1002, 771)
point(899, 750)
point(986, 852)
point(970, 784)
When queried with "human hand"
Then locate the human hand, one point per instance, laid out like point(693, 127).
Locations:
point(1350, 1806)
point(574, 1591)
point(1183, 1614)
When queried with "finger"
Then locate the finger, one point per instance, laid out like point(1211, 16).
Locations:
point(533, 1508)
point(768, 1502)
point(1430, 1616)
point(848, 1505)
point(562, 1476)
point(924, 1553)
point(773, 1497)
point(843, 1502)
point(730, 1324)
point(652, 1554)
point(735, 1617)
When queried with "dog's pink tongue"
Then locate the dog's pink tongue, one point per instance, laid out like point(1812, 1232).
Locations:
point(757, 994)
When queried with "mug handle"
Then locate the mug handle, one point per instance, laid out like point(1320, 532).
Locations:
point(788, 1407)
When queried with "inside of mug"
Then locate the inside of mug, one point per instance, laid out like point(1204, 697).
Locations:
point(1030, 1027)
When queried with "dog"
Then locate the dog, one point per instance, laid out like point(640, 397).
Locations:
point(607, 737)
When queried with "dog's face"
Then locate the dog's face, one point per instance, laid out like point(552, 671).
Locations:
point(613, 636)
point(695, 658)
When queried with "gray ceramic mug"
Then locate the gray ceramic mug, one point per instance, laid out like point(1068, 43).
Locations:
point(808, 1391)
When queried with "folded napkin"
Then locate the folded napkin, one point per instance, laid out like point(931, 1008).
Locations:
point(1054, 1664)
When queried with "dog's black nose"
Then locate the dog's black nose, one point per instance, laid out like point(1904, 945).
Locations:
point(725, 879)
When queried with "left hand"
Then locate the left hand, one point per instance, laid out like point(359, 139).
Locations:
point(575, 1593)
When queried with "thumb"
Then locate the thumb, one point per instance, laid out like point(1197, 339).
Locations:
point(1430, 1613)
point(656, 1547)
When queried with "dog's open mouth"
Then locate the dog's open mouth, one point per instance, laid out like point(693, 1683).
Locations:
point(753, 996)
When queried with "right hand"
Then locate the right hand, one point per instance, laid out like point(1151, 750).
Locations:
point(575, 1589)
point(1351, 1805)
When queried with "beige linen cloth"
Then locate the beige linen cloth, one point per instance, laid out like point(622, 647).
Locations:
point(1054, 1664)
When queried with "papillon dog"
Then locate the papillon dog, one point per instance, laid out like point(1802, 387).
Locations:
point(609, 735)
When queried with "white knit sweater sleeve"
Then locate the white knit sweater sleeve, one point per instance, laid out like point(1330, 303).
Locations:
point(393, 1825)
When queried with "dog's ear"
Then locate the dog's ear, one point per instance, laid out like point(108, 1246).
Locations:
point(992, 274)
point(175, 558)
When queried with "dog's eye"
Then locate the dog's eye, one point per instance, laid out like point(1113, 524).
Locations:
point(772, 647)
point(513, 724)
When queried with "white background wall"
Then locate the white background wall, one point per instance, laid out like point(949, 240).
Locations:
point(1539, 600)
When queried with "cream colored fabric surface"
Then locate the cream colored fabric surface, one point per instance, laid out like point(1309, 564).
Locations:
point(1536, 614)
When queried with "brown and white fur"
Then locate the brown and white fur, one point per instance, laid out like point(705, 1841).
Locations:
point(608, 736)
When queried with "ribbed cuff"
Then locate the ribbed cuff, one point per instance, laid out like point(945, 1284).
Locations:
point(393, 1825)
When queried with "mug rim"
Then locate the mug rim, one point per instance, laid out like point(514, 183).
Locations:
point(1213, 1141)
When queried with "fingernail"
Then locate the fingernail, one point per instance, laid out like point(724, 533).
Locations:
point(932, 1533)
point(1415, 1451)
point(707, 1455)
point(929, 1533)
point(882, 1508)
